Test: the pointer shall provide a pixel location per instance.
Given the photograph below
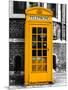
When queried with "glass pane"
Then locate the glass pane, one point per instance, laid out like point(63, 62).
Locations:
point(41, 4)
point(44, 52)
point(39, 67)
point(44, 67)
point(44, 59)
point(39, 45)
point(19, 7)
point(34, 30)
point(39, 38)
point(39, 52)
point(39, 30)
point(33, 59)
point(39, 59)
point(44, 44)
point(33, 44)
point(52, 7)
point(33, 52)
point(33, 37)
point(33, 67)
point(44, 30)
point(33, 4)
point(44, 37)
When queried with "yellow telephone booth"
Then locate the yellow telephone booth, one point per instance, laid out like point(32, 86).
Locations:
point(38, 46)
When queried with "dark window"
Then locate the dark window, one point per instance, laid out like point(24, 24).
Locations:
point(34, 30)
point(41, 4)
point(39, 30)
point(44, 30)
point(33, 44)
point(33, 37)
point(53, 8)
point(39, 45)
point(39, 52)
point(33, 52)
point(44, 52)
point(19, 7)
point(39, 38)
point(33, 4)
point(44, 38)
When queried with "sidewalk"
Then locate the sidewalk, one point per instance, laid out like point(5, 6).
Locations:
point(59, 78)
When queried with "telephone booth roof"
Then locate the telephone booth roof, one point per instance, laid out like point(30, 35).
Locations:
point(38, 11)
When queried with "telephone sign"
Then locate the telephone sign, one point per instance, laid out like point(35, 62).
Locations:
point(39, 18)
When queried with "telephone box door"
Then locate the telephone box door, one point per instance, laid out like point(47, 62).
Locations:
point(40, 53)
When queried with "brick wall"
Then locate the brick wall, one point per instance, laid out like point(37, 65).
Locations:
point(16, 28)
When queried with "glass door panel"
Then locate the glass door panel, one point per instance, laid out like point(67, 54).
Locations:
point(39, 49)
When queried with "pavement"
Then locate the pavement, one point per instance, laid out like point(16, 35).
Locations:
point(60, 79)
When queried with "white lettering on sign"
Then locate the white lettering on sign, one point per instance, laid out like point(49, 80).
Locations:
point(39, 17)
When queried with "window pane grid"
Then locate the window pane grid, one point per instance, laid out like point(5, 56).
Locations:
point(42, 50)
point(39, 49)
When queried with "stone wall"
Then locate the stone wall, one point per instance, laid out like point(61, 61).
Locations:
point(16, 77)
point(60, 50)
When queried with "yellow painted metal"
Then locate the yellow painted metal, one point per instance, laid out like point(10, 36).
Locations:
point(38, 17)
